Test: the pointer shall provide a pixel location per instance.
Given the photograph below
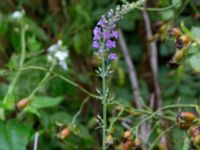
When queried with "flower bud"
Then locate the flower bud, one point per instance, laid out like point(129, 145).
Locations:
point(127, 134)
point(128, 145)
point(185, 39)
point(22, 103)
point(185, 120)
point(194, 131)
point(196, 140)
point(175, 31)
point(137, 143)
point(64, 133)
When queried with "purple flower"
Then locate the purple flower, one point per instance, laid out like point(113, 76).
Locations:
point(106, 35)
point(110, 44)
point(105, 31)
point(97, 33)
point(103, 22)
point(112, 56)
point(96, 45)
point(115, 34)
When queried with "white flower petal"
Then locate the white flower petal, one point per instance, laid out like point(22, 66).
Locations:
point(61, 55)
point(17, 15)
point(63, 64)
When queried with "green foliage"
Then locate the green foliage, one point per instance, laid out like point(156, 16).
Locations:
point(59, 98)
point(14, 135)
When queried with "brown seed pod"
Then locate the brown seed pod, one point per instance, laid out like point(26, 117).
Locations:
point(64, 133)
point(194, 131)
point(184, 120)
point(22, 103)
point(179, 55)
point(137, 143)
point(128, 145)
point(127, 134)
point(175, 31)
point(185, 39)
point(196, 140)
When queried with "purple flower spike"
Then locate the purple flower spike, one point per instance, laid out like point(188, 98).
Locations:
point(96, 45)
point(105, 33)
point(110, 44)
point(112, 56)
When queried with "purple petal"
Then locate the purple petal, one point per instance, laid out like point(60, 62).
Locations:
point(115, 34)
point(112, 56)
point(110, 44)
point(96, 45)
point(106, 35)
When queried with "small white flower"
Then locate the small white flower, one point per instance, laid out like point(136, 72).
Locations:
point(17, 15)
point(63, 64)
point(52, 48)
point(61, 55)
point(59, 52)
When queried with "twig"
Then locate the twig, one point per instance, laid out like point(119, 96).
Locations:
point(131, 70)
point(152, 51)
point(134, 82)
point(36, 141)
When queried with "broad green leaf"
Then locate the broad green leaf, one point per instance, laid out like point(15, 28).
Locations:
point(14, 135)
point(32, 110)
point(61, 117)
point(45, 102)
point(195, 62)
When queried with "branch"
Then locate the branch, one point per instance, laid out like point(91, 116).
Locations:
point(131, 70)
point(152, 52)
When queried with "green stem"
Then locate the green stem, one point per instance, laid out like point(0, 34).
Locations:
point(79, 111)
point(161, 109)
point(18, 73)
point(63, 78)
point(42, 82)
point(104, 104)
point(160, 136)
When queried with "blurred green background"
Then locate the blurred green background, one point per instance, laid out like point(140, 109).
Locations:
point(58, 101)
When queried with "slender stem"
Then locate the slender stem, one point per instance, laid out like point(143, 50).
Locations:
point(39, 86)
point(160, 136)
point(162, 109)
point(18, 73)
point(21, 62)
point(104, 103)
point(115, 119)
point(79, 111)
point(63, 78)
